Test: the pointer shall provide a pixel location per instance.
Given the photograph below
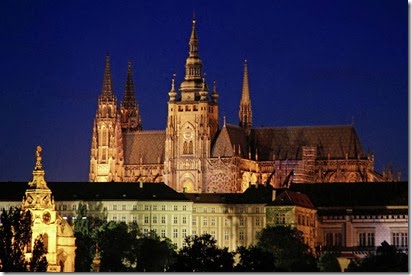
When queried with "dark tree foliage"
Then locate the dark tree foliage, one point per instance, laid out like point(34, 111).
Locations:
point(15, 235)
point(85, 231)
point(328, 263)
point(254, 259)
point(154, 254)
point(286, 244)
point(116, 247)
point(38, 261)
point(387, 259)
point(201, 254)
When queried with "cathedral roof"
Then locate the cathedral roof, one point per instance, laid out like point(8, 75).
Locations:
point(287, 142)
point(149, 146)
point(230, 137)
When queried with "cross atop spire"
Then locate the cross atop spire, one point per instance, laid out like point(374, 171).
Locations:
point(107, 90)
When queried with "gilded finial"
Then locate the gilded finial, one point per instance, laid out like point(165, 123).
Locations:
point(38, 159)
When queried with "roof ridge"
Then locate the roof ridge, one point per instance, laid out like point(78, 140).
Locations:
point(305, 126)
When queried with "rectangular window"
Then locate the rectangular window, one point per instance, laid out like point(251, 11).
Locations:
point(175, 233)
point(194, 221)
point(226, 235)
point(194, 209)
point(241, 222)
point(163, 207)
point(366, 239)
point(163, 219)
point(241, 235)
point(146, 219)
point(64, 207)
point(134, 207)
point(115, 207)
point(163, 233)
point(194, 232)
point(241, 210)
point(145, 231)
point(184, 220)
point(124, 218)
point(175, 220)
point(175, 208)
point(257, 222)
point(280, 219)
point(400, 239)
point(257, 210)
point(146, 207)
point(205, 222)
point(205, 210)
point(213, 222)
point(225, 210)
point(154, 207)
point(213, 210)
point(184, 208)
point(73, 207)
point(124, 207)
point(184, 233)
point(154, 219)
point(114, 218)
point(134, 219)
point(213, 234)
point(227, 222)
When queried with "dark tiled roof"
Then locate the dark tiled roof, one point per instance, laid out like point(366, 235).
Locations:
point(291, 198)
point(63, 191)
point(355, 194)
point(230, 136)
point(261, 194)
point(287, 142)
point(148, 145)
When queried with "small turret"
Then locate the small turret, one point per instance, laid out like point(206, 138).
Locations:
point(245, 108)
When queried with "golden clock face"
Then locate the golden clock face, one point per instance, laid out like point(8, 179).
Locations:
point(46, 217)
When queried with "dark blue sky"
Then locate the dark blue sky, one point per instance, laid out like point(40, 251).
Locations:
point(310, 63)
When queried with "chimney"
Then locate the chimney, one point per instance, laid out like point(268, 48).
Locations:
point(141, 184)
point(273, 194)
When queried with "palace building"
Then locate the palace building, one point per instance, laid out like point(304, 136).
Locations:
point(194, 153)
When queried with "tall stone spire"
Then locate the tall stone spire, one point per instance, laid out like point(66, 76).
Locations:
point(107, 90)
point(245, 108)
point(129, 108)
point(193, 81)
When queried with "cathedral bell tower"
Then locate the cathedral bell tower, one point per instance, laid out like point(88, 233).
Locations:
point(129, 109)
point(106, 160)
point(192, 123)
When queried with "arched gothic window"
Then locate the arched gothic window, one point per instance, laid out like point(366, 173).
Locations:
point(190, 147)
point(185, 148)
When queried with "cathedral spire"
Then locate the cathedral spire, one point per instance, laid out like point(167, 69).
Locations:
point(107, 90)
point(129, 108)
point(193, 81)
point(245, 108)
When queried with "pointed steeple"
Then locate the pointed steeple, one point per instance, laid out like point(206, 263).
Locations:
point(193, 81)
point(172, 92)
point(245, 108)
point(107, 90)
point(129, 108)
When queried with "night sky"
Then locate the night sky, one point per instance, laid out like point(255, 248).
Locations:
point(310, 63)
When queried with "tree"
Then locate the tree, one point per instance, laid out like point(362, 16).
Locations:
point(328, 263)
point(38, 261)
point(254, 259)
point(201, 254)
point(116, 247)
point(288, 248)
point(15, 237)
point(387, 259)
point(154, 254)
point(15, 234)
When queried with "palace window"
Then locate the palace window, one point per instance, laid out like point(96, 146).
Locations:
point(213, 210)
point(257, 222)
point(163, 207)
point(183, 220)
point(205, 222)
point(146, 207)
point(213, 234)
point(280, 219)
point(154, 219)
point(134, 219)
point(400, 239)
point(163, 219)
point(175, 233)
point(184, 233)
point(194, 221)
point(241, 222)
point(175, 220)
point(123, 218)
point(241, 235)
point(134, 207)
point(184, 207)
point(226, 237)
point(174, 208)
point(124, 207)
point(213, 222)
point(163, 233)
point(366, 239)
point(154, 207)
point(146, 219)
point(227, 222)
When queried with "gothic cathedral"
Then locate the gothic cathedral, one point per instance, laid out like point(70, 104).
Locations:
point(195, 154)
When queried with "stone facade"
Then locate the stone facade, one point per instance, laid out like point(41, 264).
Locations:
point(195, 154)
